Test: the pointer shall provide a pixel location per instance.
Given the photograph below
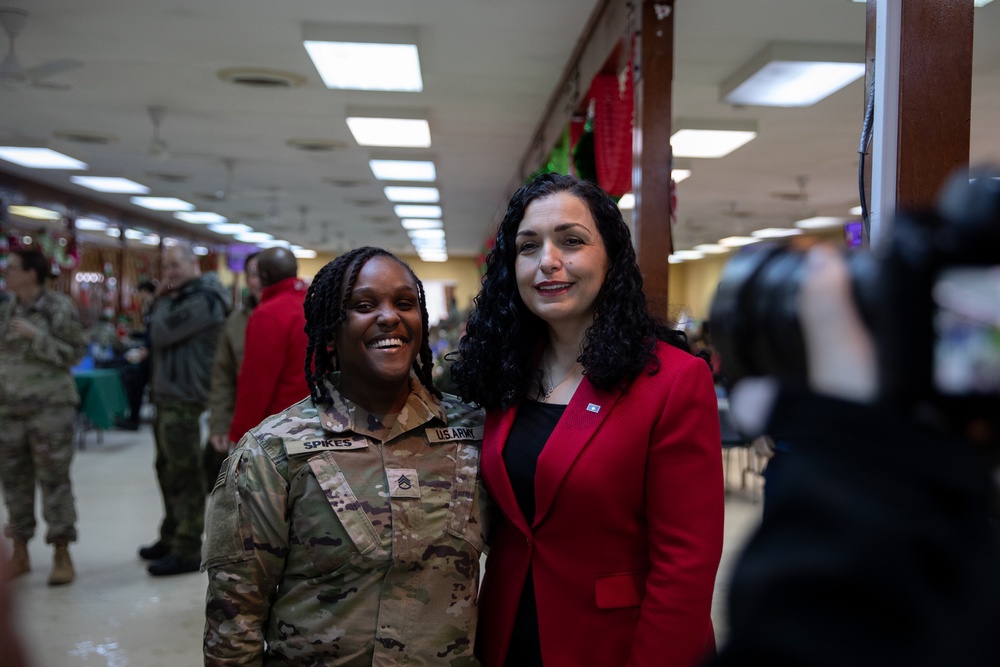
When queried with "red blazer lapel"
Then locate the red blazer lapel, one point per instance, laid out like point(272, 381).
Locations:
point(494, 471)
point(585, 413)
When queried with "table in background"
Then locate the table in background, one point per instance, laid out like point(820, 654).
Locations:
point(102, 401)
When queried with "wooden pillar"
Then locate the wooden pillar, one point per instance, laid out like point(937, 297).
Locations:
point(651, 153)
point(931, 109)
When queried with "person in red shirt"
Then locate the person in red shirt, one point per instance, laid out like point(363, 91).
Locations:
point(272, 376)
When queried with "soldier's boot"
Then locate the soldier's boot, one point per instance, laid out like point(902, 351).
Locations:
point(19, 563)
point(62, 566)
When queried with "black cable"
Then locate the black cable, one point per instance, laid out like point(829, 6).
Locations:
point(866, 137)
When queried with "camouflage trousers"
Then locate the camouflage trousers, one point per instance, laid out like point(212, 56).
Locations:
point(36, 447)
point(179, 472)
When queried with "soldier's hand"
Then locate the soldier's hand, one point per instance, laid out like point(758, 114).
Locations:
point(24, 328)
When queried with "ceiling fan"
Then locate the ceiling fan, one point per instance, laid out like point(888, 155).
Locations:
point(12, 74)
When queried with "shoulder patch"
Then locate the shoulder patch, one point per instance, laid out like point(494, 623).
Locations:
point(447, 434)
point(329, 444)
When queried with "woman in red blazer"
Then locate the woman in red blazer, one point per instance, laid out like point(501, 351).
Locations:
point(602, 449)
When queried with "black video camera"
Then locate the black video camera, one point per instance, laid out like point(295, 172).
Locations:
point(929, 294)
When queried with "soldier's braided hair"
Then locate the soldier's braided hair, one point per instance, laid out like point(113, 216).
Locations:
point(326, 310)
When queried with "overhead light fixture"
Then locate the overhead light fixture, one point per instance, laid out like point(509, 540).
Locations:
point(417, 211)
point(679, 175)
point(422, 195)
point(34, 212)
point(230, 228)
point(113, 232)
point(134, 234)
point(201, 217)
point(856, 211)
point(253, 237)
point(110, 184)
point(162, 203)
point(433, 256)
point(975, 3)
point(392, 129)
point(361, 57)
point(687, 255)
point(150, 239)
point(90, 225)
point(274, 243)
point(303, 253)
point(737, 241)
point(710, 138)
point(403, 170)
point(426, 233)
point(775, 232)
point(421, 223)
point(35, 157)
point(820, 222)
point(794, 74)
point(627, 202)
point(712, 248)
point(200, 250)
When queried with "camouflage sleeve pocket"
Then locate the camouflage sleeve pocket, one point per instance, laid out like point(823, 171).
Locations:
point(226, 531)
point(467, 513)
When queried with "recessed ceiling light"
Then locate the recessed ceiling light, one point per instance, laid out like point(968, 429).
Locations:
point(856, 211)
point(688, 254)
point(627, 202)
point(425, 233)
point(200, 250)
point(230, 228)
point(34, 212)
point(162, 203)
point(400, 193)
point(367, 66)
point(90, 225)
point(150, 239)
point(775, 232)
point(820, 222)
point(134, 234)
point(201, 217)
point(303, 253)
point(420, 223)
point(253, 237)
point(417, 211)
point(712, 248)
point(396, 132)
point(110, 184)
point(737, 241)
point(39, 158)
point(403, 170)
point(433, 256)
point(113, 232)
point(708, 143)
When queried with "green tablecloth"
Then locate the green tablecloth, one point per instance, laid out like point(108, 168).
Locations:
point(102, 397)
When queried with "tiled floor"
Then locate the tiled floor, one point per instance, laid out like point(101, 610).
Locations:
point(116, 615)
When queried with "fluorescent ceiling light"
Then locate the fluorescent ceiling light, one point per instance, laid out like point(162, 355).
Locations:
point(627, 202)
point(402, 132)
point(423, 195)
point(687, 254)
point(433, 256)
point(39, 158)
point(201, 217)
point(855, 211)
point(170, 242)
point(417, 211)
point(428, 244)
point(90, 225)
point(820, 222)
point(34, 212)
point(792, 74)
point(679, 174)
point(110, 184)
point(360, 66)
point(230, 228)
point(426, 233)
point(134, 234)
point(673, 259)
point(150, 239)
point(253, 237)
point(737, 241)
point(162, 203)
point(275, 243)
point(113, 232)
point(775, 232)
point(710, 139)
point(200, 250)
point(303, 253)
point(421, 223)
point(403, 170)
point(712, 248)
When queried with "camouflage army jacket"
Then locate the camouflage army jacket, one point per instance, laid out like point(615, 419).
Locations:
point(339, 537)
point(36, 372)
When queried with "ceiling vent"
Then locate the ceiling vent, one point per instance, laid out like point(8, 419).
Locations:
point(84, 137)
point(344, 182)
point(168, 177)
point(317, 145)
point(261, 78)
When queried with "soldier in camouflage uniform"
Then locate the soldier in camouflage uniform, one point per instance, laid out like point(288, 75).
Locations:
point(347, 530)
point(42, 338)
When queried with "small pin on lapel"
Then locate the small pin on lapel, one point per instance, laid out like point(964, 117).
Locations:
point(593, 407)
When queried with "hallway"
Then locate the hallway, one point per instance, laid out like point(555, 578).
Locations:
point(116, 615)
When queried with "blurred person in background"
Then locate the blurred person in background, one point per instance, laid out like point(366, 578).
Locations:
point(602, 448)
point(225, 371)
point(272, 376)
point(185, 325)
point(135, 375)
point(347, 530)
point(42, 339)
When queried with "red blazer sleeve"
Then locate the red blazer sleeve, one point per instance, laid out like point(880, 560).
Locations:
point(685, 510)
point(263, 358)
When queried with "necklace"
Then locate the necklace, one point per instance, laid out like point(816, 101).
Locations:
point(548, 392)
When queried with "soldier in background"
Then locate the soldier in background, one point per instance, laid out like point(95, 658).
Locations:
point(184, 330)
point(347, 530)
point(42, 339)
point(226, 371)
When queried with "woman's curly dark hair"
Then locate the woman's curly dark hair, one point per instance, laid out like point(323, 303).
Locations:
point(494, 363)
point(326, 309)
